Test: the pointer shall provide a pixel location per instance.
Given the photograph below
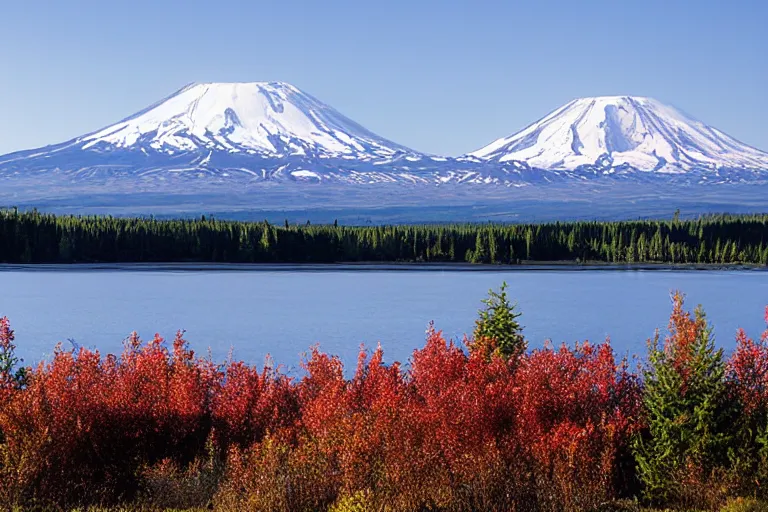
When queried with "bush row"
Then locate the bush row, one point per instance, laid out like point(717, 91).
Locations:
point(481, 425)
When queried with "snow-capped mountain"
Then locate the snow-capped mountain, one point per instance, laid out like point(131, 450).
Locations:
point(259, 130)
point(272, 119)
point(229, 136)
point(623, 133)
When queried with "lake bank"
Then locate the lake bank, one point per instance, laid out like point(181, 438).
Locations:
point(370, 267)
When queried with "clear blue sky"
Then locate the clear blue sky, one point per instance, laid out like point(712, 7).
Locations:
point(444, 77)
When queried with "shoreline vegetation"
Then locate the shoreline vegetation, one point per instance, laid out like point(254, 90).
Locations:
point(463, 426)
point(721, 241)
point(363, 266)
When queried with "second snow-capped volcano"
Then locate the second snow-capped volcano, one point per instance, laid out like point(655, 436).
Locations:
point(623, 132)
point(272, 119)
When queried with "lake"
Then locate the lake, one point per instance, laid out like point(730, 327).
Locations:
point(283, 311)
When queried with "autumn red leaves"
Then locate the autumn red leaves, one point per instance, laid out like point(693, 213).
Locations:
point(455, 429)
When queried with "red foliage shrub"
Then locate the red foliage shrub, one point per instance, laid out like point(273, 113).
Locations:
point(579, 409)
point(456, 430)
point(295, 467)
point(247, 404)
point(463, 409)
point(684, 331)
point(84, 424)
point(748, 371)
point(747, 382)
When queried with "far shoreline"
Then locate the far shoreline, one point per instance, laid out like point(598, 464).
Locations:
point(370, 267)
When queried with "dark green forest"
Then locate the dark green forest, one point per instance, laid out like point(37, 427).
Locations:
point(34, 237)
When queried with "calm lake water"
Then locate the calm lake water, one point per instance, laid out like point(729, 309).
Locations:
point(284, 312)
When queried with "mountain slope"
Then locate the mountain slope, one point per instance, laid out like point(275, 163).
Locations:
point(229, 136)
point(274, 119)
point(623, 132)
point(258, 130)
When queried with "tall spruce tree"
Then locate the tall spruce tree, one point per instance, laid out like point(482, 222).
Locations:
point(686, 407)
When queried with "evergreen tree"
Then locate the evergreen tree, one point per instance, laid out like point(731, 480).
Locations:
point(497, 330)
point(481, 254)
point(685, 402)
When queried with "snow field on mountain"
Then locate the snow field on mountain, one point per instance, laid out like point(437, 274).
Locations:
point(270, 118)
point(230, 135)
point(612, 131)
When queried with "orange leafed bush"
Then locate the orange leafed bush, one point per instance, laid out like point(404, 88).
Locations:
point(549, 429)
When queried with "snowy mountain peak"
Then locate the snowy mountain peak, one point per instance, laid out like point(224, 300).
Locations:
point(623, 131)
point(272, 119)
point(226, 136)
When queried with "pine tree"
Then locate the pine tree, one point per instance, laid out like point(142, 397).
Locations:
point(685, 402)
point(528, 244)
point(497, 330)
point(481, 248)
